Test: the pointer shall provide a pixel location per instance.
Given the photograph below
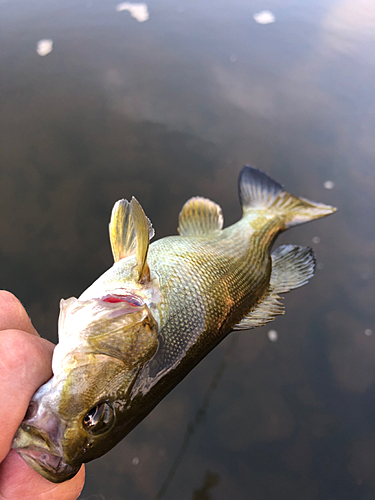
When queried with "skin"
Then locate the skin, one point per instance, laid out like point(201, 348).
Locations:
point(25, 364)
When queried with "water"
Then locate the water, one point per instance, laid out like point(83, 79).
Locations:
point(172, 107)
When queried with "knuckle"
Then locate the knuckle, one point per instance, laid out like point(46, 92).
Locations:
point(20, 352)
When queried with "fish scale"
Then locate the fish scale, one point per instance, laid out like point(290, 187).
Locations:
point(147, 321)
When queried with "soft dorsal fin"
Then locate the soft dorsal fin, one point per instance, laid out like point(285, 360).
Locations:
point(200, 217)
point(130, 232)
point(292, 266)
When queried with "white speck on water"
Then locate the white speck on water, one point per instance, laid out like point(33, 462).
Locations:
point(264, 17)
point(273, 335)
point(135, 461)
point(365, 276)
point(316, 239)
point(320, 265)
point(137, 10)
point(329, 184)
point(368, 332)
point(233, 58)
point(44, 46)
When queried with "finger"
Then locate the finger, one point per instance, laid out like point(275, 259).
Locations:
point(25, 364)
point(18, 480)
point(13, 314)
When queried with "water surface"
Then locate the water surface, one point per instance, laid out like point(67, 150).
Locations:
point(169, 108)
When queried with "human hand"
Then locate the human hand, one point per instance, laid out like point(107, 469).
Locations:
point(25, 364)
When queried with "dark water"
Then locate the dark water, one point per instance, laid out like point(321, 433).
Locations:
point(173, 107)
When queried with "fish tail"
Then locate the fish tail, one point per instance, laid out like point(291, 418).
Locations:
point(258, 191)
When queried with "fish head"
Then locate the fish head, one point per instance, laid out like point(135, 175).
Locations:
point(79, 414)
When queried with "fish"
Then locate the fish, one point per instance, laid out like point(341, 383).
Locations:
point(143, 325)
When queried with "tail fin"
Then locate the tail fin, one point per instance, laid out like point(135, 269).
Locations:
point(258, 191)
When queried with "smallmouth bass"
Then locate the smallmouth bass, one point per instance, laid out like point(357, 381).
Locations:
point(137, 331)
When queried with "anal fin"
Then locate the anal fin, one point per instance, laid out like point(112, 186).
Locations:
point(292, 267)
point(200, 217)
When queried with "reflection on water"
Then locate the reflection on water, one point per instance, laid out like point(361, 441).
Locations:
point(171, 108)
point(198, 418)
point(210, 481)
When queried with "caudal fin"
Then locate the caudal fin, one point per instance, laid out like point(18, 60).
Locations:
point(258, 191)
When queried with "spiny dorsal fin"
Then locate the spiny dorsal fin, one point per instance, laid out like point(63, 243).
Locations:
point(264, 312)
point(130, 232)
point(292, 266)
point(200, 217)
point(258, 191)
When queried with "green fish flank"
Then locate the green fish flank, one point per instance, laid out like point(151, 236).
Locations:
point(136, 332)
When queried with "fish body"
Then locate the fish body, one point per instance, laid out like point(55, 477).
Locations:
point(147, 321)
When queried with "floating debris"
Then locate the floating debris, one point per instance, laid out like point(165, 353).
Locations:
point(316, 239)
point(273, 335)
point(135, 461)
point(44, 46)
point(368, 332)
point(264, 17)
point(233, 58)
point(329, 184)
point(137, 10)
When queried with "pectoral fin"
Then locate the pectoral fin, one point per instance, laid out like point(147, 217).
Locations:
point(292, 267)
point(200, 217)
point(130, 232)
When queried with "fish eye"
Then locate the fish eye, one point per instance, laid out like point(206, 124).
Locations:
point(99, 419)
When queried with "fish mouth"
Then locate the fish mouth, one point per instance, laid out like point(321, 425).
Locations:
point(52, 467)
point(34, 446)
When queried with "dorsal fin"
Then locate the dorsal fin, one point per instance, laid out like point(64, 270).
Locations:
point(292, 266)
point(264, 312)
point(200, 217)
point(130, 232)
point(258, 191)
